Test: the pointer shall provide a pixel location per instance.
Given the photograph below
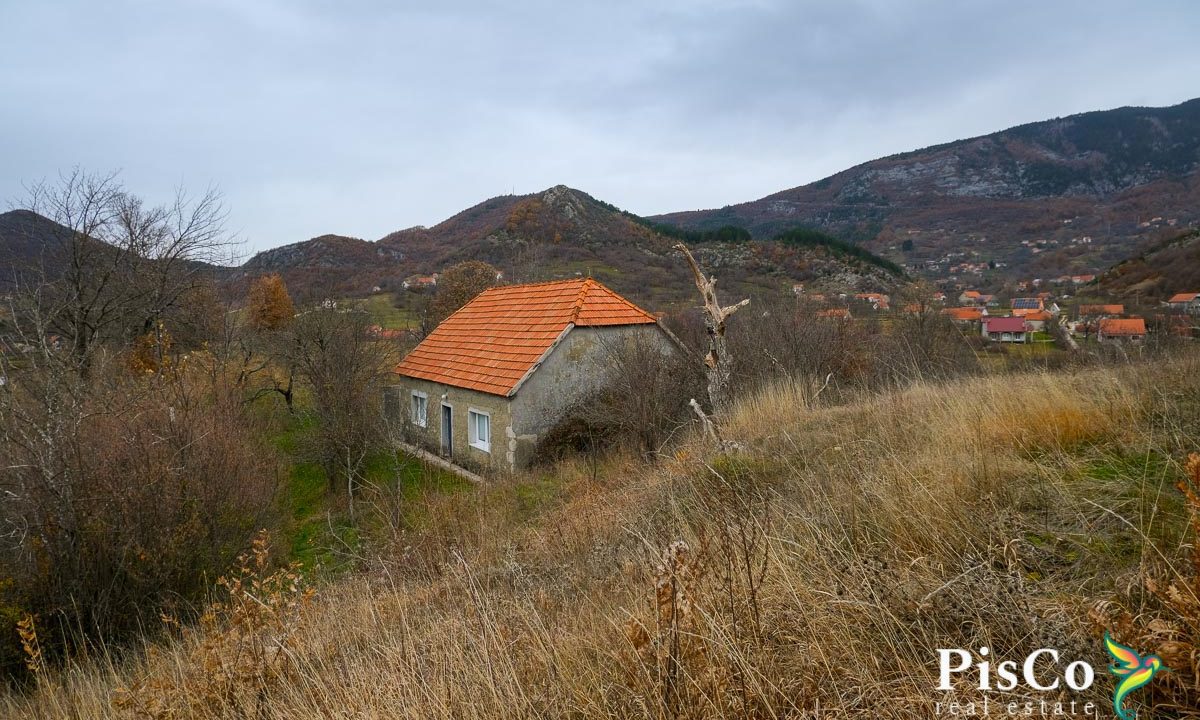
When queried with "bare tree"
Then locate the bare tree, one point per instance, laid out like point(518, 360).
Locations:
point(718, 363)
point(116, 266)
point(343, 363)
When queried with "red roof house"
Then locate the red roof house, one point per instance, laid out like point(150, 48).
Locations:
point(835, 314)
point(502, 370)
point(1097, 310)
point(1005, 329)
point(1187, 301)
point(1035, 319)
point(1129, 329)
point(965, 314)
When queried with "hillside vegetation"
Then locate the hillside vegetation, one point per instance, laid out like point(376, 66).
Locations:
point(812, 572)
point(562, 232)
point(1169, 267)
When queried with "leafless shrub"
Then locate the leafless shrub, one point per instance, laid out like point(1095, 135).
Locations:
point(123, 495)
point(641, 399)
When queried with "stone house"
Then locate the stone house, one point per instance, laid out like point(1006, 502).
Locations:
point(495, 376)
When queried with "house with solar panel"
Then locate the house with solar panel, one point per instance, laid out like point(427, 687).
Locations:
point(486, 385)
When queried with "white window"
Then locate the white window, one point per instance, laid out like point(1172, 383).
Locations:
point(420, 408)
point(479, 430)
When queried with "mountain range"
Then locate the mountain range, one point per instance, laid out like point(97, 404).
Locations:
point(1069, 195)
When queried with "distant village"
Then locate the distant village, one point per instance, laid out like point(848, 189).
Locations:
point(1029, 318)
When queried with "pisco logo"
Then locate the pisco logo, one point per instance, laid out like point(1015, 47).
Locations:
point(1041, 671)
point(1134, 671)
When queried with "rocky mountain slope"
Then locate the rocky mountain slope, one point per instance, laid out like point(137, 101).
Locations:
point(1051, 197)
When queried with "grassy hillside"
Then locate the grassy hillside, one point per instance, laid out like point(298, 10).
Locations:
point(811, 573)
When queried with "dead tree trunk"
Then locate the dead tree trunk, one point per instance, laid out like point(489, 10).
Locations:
point(718, 365)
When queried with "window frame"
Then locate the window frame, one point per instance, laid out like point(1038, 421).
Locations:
point(412, 408)
point(473, 415)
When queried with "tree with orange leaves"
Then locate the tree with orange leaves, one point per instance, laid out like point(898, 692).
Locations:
point(268, 304)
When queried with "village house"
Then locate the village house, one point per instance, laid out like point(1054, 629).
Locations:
point(1188, 302)
point(969, 297)
point(1035, 319)
point(877, 301)
point(1097, 311)
point(964, 315)
point(421, 282)
point(489, 381)
point(1005, 329)
point(1121, 329)
point(835, 314)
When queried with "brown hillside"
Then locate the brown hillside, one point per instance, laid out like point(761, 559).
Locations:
point(1165, 269)
point(561, 233)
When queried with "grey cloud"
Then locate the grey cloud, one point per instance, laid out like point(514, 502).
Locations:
point(365, 117)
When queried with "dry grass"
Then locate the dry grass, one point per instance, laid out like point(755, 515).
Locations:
point(812, 574)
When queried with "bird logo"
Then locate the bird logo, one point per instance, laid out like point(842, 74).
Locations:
point(1134, 671)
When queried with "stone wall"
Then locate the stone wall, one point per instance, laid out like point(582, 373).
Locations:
point(461, 401)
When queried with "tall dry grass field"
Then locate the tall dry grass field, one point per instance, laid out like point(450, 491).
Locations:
point(812, 573)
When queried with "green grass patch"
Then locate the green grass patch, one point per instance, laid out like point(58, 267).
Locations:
point(1140, 488)
point(382, 310)
point(535, 495)
point(319, 524)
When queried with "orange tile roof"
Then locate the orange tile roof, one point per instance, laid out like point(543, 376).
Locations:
point(1128, 326)
point(964, 313)
point(1183, 297)
point(492, 342)
point(1101, 309)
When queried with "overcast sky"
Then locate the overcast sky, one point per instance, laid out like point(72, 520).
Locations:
point(361, 118)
